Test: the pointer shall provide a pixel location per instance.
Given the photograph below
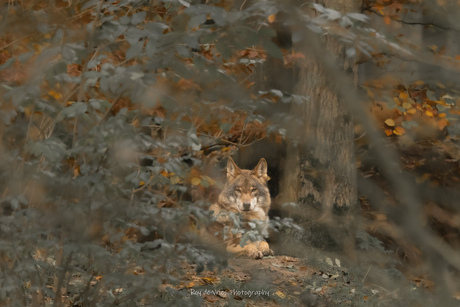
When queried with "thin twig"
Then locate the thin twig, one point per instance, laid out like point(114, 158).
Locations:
point(362, 281)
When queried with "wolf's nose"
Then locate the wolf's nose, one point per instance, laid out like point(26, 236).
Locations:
point(246, 206)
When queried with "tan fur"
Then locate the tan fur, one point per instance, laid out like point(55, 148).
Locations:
point(246, 194)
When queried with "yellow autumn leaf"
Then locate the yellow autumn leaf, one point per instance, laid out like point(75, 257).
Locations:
point(399, 131)
point(141, 183)
point(411, 111)
point(55, 94)
point(390, 122)
point(175, 179)
point(210, 280)
point(429, 113)
point(406, 105)
point(190, 284)
point(280, 294)
point(403, 96)
point(442, 114)
point(209, 180)
point(271, 18)
point(196, 181)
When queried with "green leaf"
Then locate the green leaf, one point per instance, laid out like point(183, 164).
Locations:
point(75, 109)
point(134, 51)
point(99, 104)
point(199, 62)
point(196, 21)
point(225, 127)
point(224, 49)
point(52, 149)
point(138, 17)
point(6, 116)
point(277, 93)
point(431, 95)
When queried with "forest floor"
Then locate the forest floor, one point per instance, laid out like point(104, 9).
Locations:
point(281, 281)
point(321, 279)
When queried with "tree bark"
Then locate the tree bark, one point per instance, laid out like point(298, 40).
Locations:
point(322, 177)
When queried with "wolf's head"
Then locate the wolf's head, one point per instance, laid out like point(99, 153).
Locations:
point(246, 190)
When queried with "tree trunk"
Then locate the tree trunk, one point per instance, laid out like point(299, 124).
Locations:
point(322, 175)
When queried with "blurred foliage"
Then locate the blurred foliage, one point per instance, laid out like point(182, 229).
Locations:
point(114, 116)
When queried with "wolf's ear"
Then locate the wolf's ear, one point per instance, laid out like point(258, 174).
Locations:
point(232, 169)
point(261, 170)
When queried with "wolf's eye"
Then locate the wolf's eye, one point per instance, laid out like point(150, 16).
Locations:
point(238, 190)
point(253, 190)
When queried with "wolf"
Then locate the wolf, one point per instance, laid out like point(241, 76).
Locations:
point(245, 195)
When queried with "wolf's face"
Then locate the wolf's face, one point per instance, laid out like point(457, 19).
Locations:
point(247, 190)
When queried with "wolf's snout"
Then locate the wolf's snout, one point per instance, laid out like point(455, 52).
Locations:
point(246, 206)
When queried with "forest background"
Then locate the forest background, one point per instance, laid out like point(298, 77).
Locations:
point(117, 118)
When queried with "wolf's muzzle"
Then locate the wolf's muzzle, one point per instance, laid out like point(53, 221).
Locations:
point(246, 206)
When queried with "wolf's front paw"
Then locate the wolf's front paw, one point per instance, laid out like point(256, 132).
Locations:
point(265, 249)
point(256, 254)
point(253, 252)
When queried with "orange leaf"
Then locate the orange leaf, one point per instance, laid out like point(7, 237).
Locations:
point(388, 132)
point(190, 284)
point(387, 19)
point(280, 294)
point(399, 131)
point(271, 18)
point(429, 113)
point(55, 94)
point(210, 280)
point(403, 95)
point(442, 123)
point(390, 122)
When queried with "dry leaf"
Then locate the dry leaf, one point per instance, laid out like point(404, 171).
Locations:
point(390, 122)
point(280, 294)
point(196, 181)
point(399, 131)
